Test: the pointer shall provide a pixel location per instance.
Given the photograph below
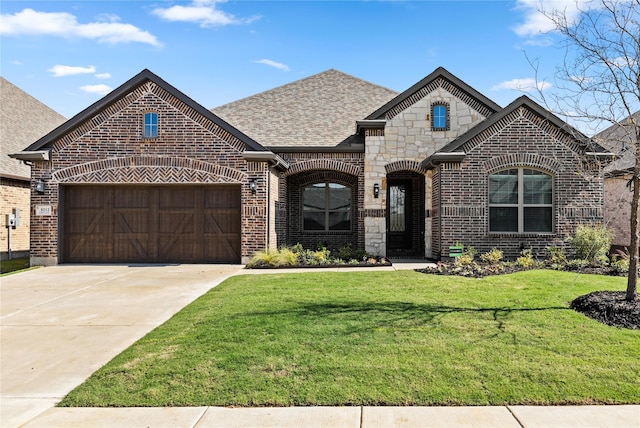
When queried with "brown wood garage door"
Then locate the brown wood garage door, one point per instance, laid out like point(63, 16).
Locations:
point(151, 224)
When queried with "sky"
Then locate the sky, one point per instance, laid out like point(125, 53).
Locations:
point(69, 54)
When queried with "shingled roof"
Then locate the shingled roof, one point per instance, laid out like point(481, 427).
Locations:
point(620, 139)
point(23, 120)
point(317, 111)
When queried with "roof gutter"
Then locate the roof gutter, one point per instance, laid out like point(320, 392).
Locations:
point(266, 156)
point(370, 124)
point(33, 156)
point(437, 158)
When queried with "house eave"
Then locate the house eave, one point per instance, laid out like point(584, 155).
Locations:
point(370, 124)
point(437, 158)
point(351, 148)
point(270, 157)
point(32, 156)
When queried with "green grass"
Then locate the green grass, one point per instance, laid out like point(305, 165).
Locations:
point(13, 265)
point(378, 338)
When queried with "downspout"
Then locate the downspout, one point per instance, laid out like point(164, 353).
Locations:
point(268, 207)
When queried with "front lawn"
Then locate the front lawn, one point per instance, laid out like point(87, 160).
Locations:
point(378, 338)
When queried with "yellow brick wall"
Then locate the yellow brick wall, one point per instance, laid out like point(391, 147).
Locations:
point(14, 194)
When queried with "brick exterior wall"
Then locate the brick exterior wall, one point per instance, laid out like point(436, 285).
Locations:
point(522, 139)
point(617, 208)
point(310, 168)
point(14, 194)
point(109, 148)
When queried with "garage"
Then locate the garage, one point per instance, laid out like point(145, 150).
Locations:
point(151, 223)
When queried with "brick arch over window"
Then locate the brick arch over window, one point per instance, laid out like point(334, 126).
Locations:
point(525, 160)
point(323, 164)
point(147, 169)
point(404, 165)
point(310, 239)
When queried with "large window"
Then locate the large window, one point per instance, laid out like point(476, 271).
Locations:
point(326, 207)
point(150, 125)
point(520, 201)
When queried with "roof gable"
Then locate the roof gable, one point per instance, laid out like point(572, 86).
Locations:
point(318, 111)
point(440, 77)
point(580, 143)
point(620, 139)
point(122, 91)
point(23, 119)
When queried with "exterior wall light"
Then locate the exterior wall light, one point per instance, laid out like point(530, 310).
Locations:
point(40, 186)
point(253, 185)
point(376, 190)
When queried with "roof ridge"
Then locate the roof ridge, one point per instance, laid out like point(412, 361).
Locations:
point(300, 81)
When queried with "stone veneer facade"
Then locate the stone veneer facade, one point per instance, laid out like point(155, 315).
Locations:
point(406, 141)
point(109, 148)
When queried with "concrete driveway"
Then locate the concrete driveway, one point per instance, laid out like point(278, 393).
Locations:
point(59, 324)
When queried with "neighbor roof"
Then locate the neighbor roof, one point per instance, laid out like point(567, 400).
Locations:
point(620, 139)
point(122, 91)
point(317, 111)
point(23, 120)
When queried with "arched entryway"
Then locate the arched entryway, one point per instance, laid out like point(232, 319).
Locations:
point(405, 214)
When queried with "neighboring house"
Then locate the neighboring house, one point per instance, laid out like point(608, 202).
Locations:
point(148, 175)
point(23, 119)
point(620, 140)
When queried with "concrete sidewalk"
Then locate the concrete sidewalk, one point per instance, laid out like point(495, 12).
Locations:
point(60, 324)
point(344, 417)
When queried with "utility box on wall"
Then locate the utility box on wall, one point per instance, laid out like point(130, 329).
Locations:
point(13, 219)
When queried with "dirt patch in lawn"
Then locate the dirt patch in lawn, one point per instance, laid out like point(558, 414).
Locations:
point(610, 307)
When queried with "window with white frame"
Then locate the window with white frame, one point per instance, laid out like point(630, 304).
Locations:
point(520, 201)
point(326, 207)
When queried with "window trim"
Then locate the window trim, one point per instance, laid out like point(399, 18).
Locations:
point(327, 211)
point(151, 126)
point(521, 205)
point(446, 116)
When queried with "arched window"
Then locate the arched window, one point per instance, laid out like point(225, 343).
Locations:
point(439, 117)
point(520, 201)
point(326, 207)
point(150, 125)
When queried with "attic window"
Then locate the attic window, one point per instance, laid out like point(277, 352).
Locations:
point(440, 117)
point(150, 125)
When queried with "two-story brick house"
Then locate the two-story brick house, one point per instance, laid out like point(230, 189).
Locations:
point(148, 175)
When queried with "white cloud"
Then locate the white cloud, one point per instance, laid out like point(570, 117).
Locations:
point(203, 12)
point(536, 23)
point(524, 85)
point(68, 70)
point(16, 62)
point(274, 64)
point(63, 24)
point(97, 89)
point(103, 75)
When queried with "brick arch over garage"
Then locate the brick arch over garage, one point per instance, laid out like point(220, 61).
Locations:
point(404, 165)
point(323, 164)
point(147, 169)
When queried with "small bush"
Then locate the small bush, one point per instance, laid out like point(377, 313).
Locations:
point(555, 255)
point(470, 251)
point(464, 260)
point(492, 257)
point(592, 243)
point(620, 262)
point(345, 252)
point(526, 259)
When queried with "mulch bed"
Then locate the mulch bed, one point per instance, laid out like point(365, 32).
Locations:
point(609, 307)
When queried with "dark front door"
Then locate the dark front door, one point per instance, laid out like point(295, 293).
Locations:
point(399, 231)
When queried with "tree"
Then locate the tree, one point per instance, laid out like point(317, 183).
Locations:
point(599, 81)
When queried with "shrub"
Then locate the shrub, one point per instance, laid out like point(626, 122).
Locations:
point(526, 259)
point(592, 243)
point(620, 262)
point(470, 251)
point(262, 258)
point(345, 252)
point(555, 255)
point(492, 257)
point(464, 260)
